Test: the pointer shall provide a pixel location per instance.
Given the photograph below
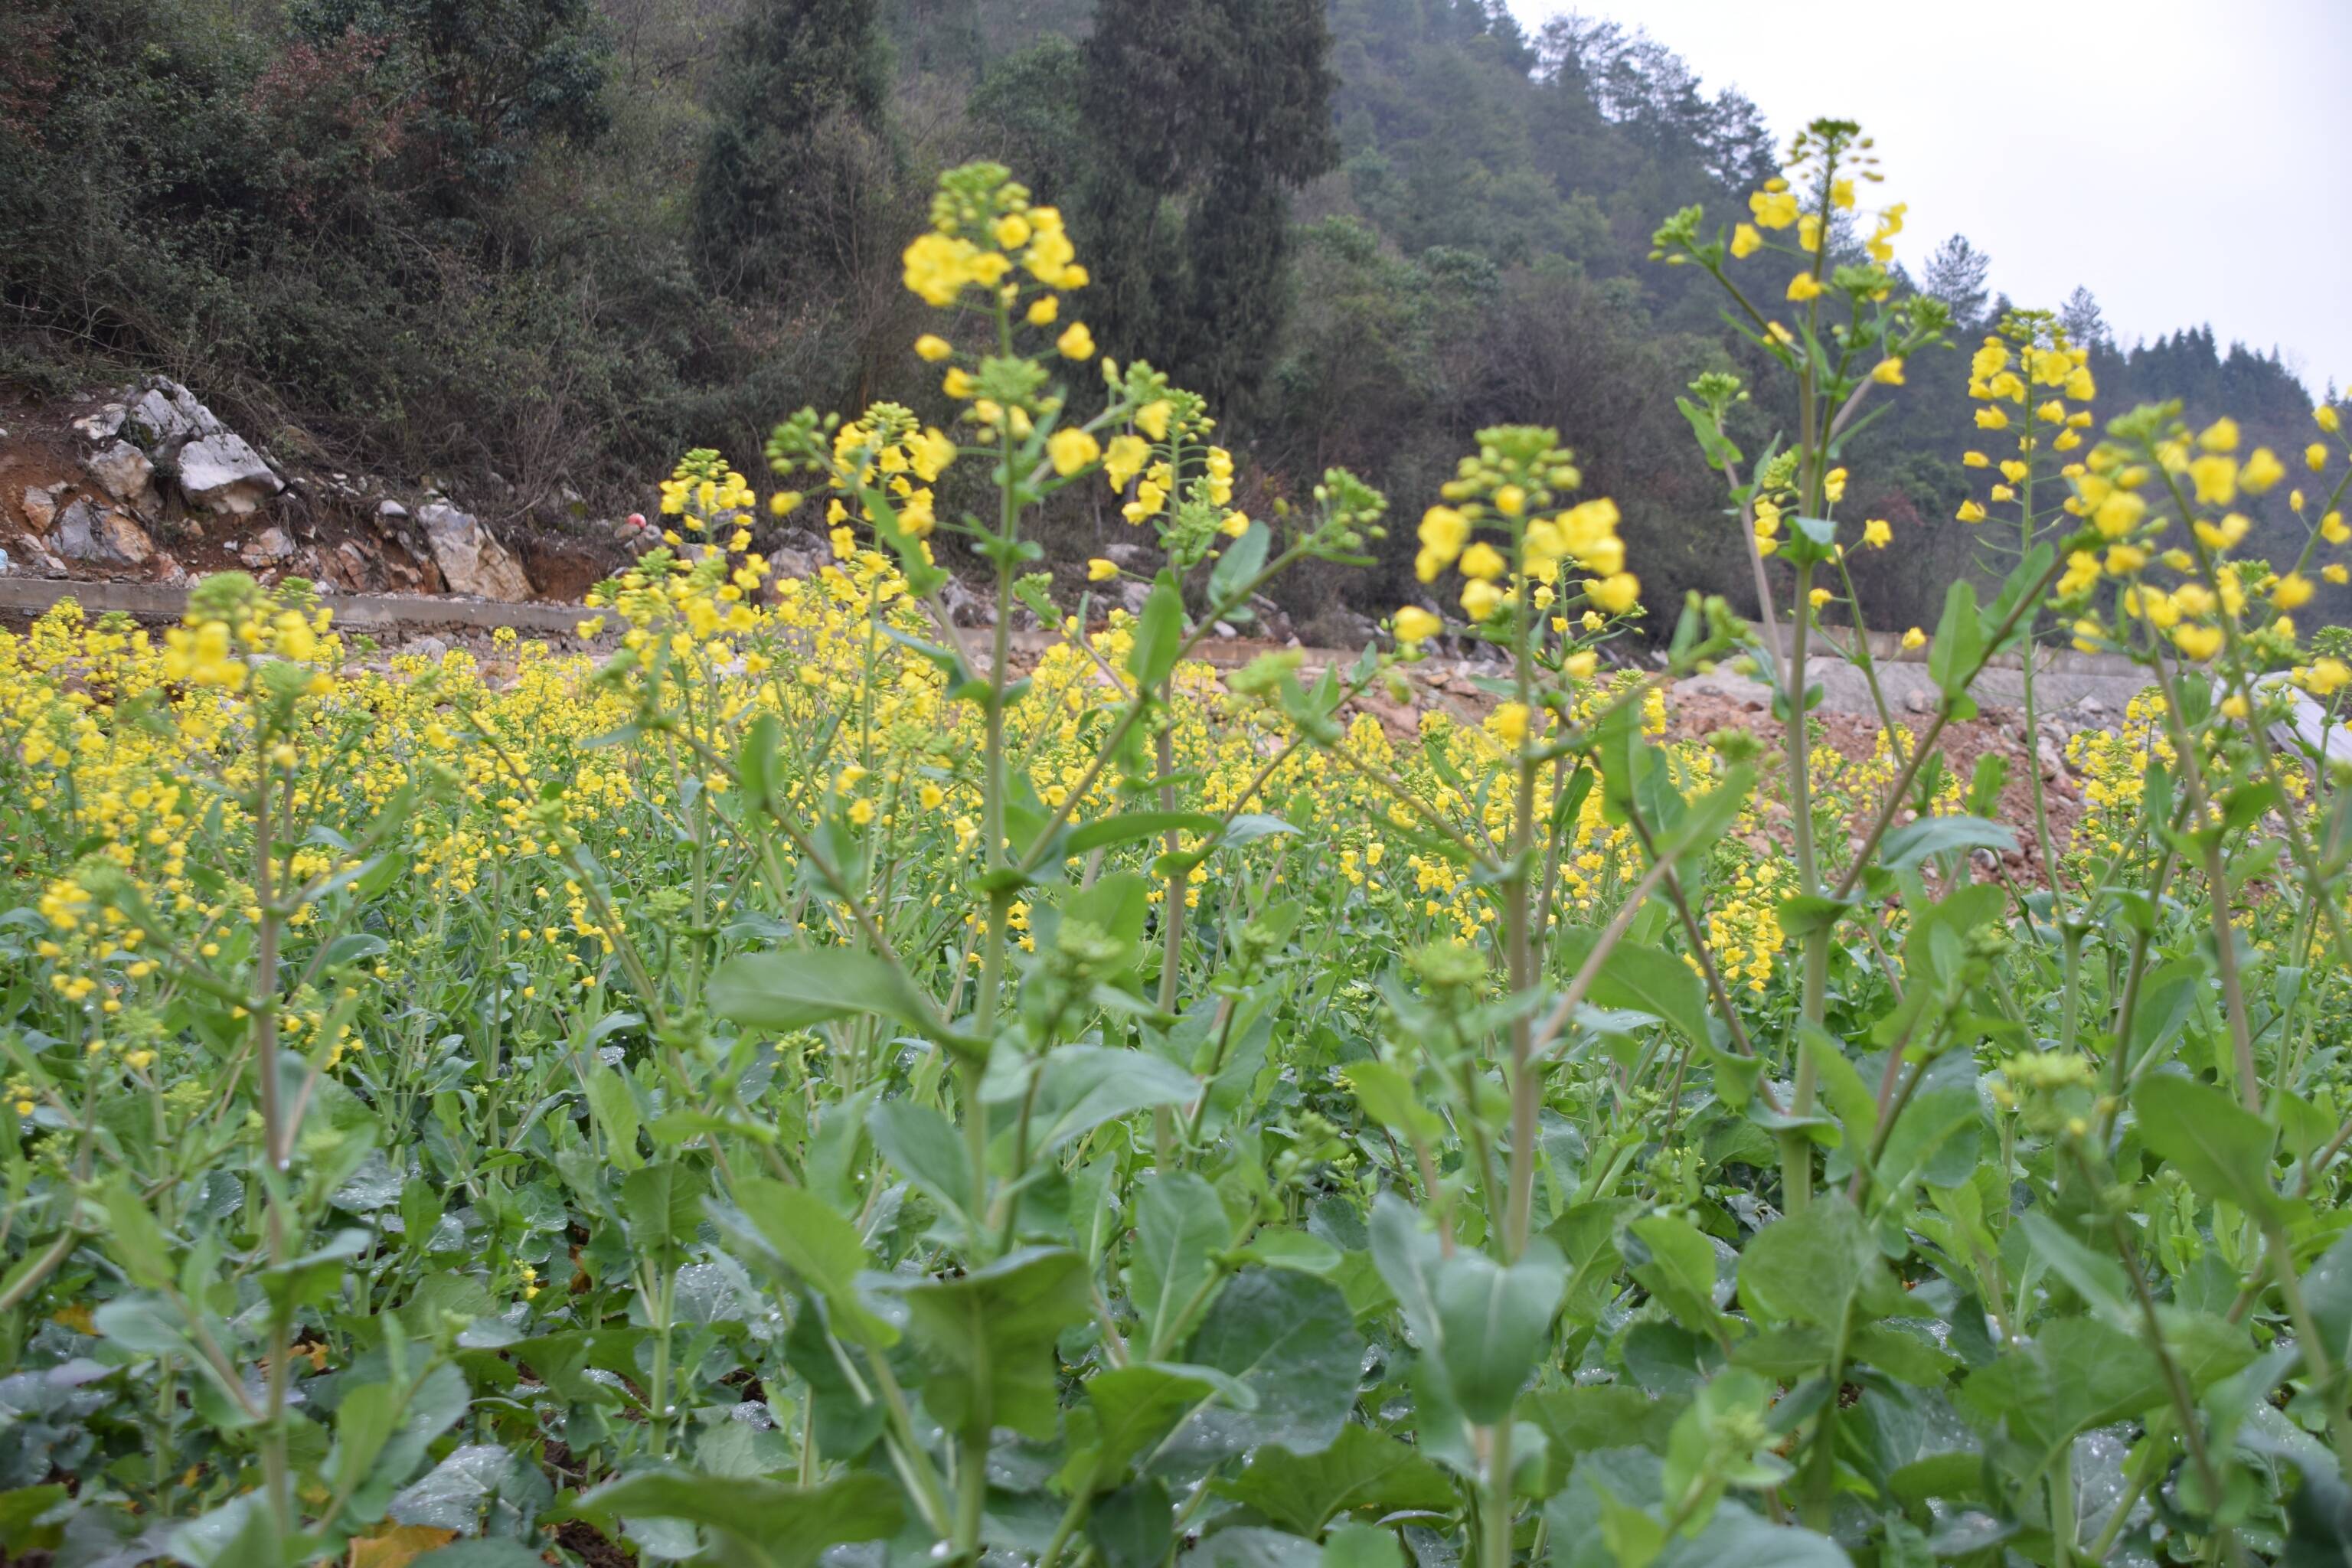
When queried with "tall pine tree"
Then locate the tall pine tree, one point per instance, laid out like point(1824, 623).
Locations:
point(1202, 115)
point(799, 167)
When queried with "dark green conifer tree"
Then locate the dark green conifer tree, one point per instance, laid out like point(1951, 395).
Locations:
point(1203, 114)
point(799, 164)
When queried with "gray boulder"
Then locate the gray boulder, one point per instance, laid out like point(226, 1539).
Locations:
point(102, 537)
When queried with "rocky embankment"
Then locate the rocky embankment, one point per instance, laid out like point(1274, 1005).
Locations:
point(146, 484)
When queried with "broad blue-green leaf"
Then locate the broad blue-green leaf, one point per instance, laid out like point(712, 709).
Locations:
point(1736, 1537)
point(1159, 633)
point(819, 1246)
point(1288, 1339)
point(1362, 1469)
point(766, 1522)
point(1248, 1546)
point(1905, 846)
point(1179, 1225)
point(1646, 979)
point(987, 1339)
point(2223, 1149)
point(1130, 1410)
point(450, 1495)
point(1807, 1268)
point(491, 1553)
point(795, 987)
point(1086, 1086)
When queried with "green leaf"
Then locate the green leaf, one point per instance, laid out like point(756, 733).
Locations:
point(20, 1513)
point(1810, 540)
point(1738, 1536)
point(1290, 1340)
point(664, 1205)
point(796, 987)
point(766, 1522)
point(1804, 914)
point(1958, 648)
point(2221, 1149)
point(1482, 1325)
point(1722, 1440)
point(1135, 1526)
point(1905, 846)
point(2327, 1290)
point(1387, 1094)
point(1807, 1268)
point(1935, 1140)
point(1361, 1546)
point(134, 1238)
point(615, 1108)
point(1238, 563)
point(363, 1425)
point(1841, 1089)
point(2096, 1278)
point(434, 1405)
point(450, 1495)
point(1133, 1408)
point(928, 1151)
point(1159, 633)
point(1180, 1227)
point(819, 1246)
point(1129, 825)
point(755, 760)
point(1362, 1469)
point(1084, 1086)
point(1709, 817)
point(492, 1551)
point(987, 1339)
point(1901, 1354)
point(1250, 1546)
point(1675, 1262)
point(1497, 1324)
point(1646, 979)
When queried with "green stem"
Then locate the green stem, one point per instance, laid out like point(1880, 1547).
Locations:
point(1495, 1520)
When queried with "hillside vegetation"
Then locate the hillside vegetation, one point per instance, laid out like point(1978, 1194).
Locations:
point(793, 1086)
point(558, 241)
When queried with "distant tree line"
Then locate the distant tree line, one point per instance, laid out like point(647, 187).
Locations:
point(557, 241)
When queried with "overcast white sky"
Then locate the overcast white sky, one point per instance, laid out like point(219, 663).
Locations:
point(2184, 160)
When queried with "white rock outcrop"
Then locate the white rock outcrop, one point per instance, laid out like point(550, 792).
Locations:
point(216, 467)
point(125, 472)
point(471, 562)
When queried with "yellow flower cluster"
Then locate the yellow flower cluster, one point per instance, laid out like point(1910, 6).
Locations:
point(2134, 489)
point(1509, 487)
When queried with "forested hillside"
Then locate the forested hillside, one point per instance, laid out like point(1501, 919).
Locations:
point(530, 248)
